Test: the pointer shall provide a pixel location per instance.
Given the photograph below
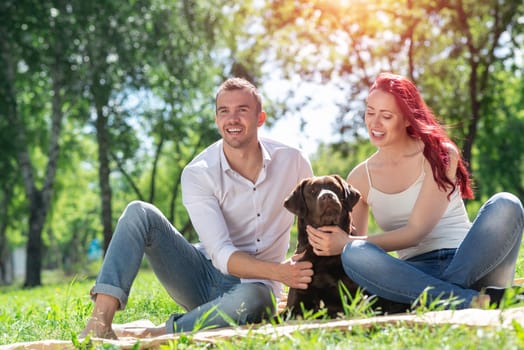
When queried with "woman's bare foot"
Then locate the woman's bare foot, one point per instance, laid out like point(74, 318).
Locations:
point(481, 301)
point(141, 332)
point(282, 303)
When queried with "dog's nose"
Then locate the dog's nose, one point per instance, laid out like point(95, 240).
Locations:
point(326, 195)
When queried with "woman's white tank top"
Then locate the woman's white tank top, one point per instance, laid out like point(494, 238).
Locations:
point(392, 211)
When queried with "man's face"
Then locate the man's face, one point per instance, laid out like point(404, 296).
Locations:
point(237, 118)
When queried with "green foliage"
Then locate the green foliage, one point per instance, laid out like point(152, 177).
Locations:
point(136, 84)
point(149, 68)
point(355, 306)
point(498, 156)
point(60, 311)
point(340, 158)
point(519, 330)
point(465, 57)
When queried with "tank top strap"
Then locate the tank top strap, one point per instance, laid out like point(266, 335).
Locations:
point(421, 176)
point(368, 174)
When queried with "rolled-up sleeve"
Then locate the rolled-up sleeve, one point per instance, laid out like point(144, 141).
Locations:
point(200, 200)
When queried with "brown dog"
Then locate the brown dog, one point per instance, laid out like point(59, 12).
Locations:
point(321, 201)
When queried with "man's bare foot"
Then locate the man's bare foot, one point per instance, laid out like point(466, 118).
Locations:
point(98, 329)
point(99, 325)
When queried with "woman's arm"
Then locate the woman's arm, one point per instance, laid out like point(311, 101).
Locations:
point(429, 207)
point(360, 213)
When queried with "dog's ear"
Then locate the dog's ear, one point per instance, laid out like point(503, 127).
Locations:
point(354, 196)
point(351, 194)
point(295, 202)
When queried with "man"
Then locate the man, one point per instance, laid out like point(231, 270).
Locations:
point(234, 193)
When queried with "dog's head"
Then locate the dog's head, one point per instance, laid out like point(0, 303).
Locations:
point(322, 200)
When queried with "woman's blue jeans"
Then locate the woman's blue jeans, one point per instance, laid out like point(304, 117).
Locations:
point(486, 257)
point(212, 298)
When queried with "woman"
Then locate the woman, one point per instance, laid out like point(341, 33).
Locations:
point(414, 185)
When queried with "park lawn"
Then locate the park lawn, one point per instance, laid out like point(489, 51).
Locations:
point(60, 308)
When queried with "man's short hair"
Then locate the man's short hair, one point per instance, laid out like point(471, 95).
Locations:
point(236, 83)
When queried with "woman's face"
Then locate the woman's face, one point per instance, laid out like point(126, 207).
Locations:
point(383, 119)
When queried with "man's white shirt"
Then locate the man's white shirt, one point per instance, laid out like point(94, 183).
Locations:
point(230, 213)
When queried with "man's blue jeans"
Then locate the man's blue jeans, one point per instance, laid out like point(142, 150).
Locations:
point(211, 297)
point(486, 257)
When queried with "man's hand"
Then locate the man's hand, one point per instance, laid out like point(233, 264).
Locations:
point(296, 274)
point(293, 273)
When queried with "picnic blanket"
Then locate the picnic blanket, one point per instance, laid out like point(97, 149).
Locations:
point(468, 317)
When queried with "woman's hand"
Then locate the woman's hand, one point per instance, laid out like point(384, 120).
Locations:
point(327, 240)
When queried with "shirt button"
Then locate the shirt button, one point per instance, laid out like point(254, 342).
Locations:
point(254, 188)
point(258, 214)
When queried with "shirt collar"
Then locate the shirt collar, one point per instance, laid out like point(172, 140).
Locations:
point(266, 156)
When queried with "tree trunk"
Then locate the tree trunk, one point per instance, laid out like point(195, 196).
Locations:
point(104, 171)
point(4, 249)
point(8, 97)
point(36, 199)
point(33, 266)
point(472, 123)
point(158, 151)
point(40, 201)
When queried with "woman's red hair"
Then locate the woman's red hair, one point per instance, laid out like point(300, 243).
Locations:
point(424, 126)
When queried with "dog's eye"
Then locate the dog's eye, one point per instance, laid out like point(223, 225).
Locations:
point(334, 189)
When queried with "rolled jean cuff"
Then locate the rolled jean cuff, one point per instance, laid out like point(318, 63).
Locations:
point(113, 291)
point(170, 323)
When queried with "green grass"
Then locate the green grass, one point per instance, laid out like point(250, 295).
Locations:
point(60, 309)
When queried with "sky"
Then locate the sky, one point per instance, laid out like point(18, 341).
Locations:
point(287, 130)
point(319, 115)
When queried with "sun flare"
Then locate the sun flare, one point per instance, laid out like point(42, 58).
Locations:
point(339, 7)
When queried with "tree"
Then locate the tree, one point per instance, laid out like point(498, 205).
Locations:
point(110, 44)
point(451, 49)
point(96, 58)
point(183, 77)
point(160, 51)
point(39, 40)
point(500, 160)
point(7, 183)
